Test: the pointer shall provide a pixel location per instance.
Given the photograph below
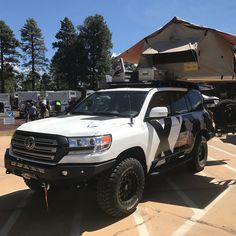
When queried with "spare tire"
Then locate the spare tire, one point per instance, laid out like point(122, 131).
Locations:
point(224, 115)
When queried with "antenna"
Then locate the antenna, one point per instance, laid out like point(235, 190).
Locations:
point(131, 118)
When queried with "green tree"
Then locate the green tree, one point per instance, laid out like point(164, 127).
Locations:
point(55, 71)
point(19, 78)
point(64, 61)
point(8, 52)
point(96, 39)
point(34, 49)
point(46, 83)
point(11, 74)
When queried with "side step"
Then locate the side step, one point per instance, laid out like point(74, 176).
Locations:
point(169, 165)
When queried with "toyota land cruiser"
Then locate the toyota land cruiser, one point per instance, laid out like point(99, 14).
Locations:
point(116, 137)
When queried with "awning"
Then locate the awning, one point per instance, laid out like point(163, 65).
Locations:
point(170, 47)
point(150, 51)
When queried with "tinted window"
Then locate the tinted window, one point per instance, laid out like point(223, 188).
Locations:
point(178, 102)
point(195, 99)
point(160, 99)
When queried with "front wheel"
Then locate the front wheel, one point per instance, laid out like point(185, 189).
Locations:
point(198, 155)
point(120, 191)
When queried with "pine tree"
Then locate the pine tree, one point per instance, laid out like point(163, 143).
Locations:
point(46, 83)
point(96, 38)
point(34, 49)
point(8, 53)
point(64, 62)
point(66, 36)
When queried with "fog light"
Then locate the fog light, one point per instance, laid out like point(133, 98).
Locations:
point(64, 172)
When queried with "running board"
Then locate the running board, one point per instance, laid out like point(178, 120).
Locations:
point(170, 165)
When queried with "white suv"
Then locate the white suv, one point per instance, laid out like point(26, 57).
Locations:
point(115, 137)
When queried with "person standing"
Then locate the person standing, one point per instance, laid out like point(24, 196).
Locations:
point(57, 107)
point(27, 111)
point(43, 110)
point(33, 112)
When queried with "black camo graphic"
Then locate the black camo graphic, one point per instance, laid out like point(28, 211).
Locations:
point(163, 134)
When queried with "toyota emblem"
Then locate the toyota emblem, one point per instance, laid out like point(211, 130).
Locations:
point(29, 143)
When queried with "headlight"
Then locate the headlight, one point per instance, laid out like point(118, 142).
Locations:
point(92, 144)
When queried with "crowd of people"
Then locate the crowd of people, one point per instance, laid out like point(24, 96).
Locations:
point(32, 113)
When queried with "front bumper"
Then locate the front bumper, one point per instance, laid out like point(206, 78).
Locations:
point(54, 173)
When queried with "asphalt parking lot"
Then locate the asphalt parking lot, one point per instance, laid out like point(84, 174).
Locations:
point(175, 203)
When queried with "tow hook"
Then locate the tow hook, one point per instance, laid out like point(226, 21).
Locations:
point(8, 172)
point(46, 187)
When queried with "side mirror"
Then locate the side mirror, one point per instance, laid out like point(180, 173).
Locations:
point(158, 112)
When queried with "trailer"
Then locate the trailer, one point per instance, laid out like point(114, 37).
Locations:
point(5, 104)
point(26, 96)
point(65, 98)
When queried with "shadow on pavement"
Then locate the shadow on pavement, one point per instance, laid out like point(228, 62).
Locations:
point(202, 190)
point(229, 139)
point(217, 162)
point(69, 213)
point(73, 212)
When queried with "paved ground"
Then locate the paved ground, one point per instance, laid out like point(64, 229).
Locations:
point(177, 203)
point(6, 127)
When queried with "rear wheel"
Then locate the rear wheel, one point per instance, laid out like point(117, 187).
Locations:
point(119, 192)
point(198, 155)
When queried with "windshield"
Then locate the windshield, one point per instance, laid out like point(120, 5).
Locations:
point(112, 103)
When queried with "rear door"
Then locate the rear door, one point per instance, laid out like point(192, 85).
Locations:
point(181, 110)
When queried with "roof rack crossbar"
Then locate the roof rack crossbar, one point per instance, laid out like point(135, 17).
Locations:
point(156, 83)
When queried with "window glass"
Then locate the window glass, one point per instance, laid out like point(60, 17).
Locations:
point(160, 99)
point(195, 99)
point(112, 103)
point(178, 102)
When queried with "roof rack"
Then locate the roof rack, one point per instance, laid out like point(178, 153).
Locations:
point(154, 84)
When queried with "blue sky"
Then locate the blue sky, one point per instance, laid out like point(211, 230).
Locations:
point(128, 20)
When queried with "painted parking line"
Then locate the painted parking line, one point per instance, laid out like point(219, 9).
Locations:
point(15, 215)
point(224, 165)
point(221, 150)
point(139, 221)
point(199, 213)
point(183, 229)
point(220, 141)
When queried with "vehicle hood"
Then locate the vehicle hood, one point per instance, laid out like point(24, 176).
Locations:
point(71, 126)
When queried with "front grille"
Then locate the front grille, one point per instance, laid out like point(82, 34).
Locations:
point(46, 147)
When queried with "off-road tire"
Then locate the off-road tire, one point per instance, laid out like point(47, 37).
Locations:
point(225, 115)
point(120, 190)
point(198, 155)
